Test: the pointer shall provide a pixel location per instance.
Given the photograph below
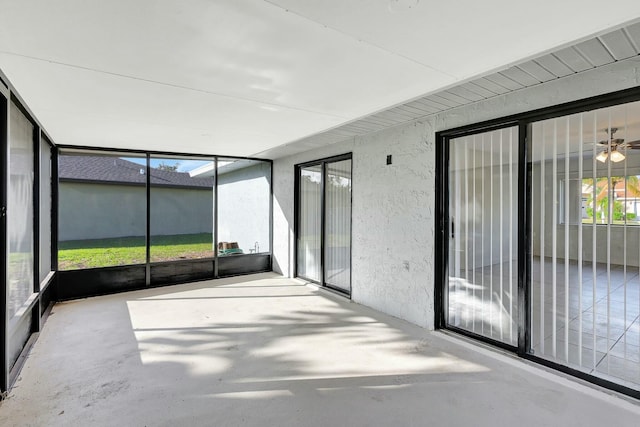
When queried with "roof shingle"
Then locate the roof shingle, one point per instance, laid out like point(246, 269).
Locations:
point(117, 170)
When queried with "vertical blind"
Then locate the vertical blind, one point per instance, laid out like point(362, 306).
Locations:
point(585, 255)
point(310, 222)
point(338, 224)
point(482, 290)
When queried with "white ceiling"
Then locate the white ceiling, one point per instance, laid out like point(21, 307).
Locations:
point(240, 77)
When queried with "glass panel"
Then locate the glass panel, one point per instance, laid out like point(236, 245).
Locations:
point(20, 210)
point(181, 208)
point(309, 226)
point(482, 292)
point(45, 210)
point(338, 224)
point(102, 210)
point(244, 200)
point(585, 299)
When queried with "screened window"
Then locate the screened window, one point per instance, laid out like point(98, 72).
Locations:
point(181, 209)
point(244, 207)
point(20, 215)
point(102, 210)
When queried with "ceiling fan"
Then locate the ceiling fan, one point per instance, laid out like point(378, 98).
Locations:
point(617, 144)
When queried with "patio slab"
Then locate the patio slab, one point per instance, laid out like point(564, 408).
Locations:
point(263, 350)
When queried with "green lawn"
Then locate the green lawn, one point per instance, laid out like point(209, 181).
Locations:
point(77, 254)
point(632, 223)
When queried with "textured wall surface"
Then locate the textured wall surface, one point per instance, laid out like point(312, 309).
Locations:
point(393, 205)
point(243, 207)
point(393, 221)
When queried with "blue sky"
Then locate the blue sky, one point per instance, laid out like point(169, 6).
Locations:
point(184, 165)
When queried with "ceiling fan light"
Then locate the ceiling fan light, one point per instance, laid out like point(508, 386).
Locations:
point(602, 157)
point(617, 156)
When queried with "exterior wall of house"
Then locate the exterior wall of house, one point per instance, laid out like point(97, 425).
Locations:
point(181, 211)
point(97, 211)
point(243, 207)
point(394, 205)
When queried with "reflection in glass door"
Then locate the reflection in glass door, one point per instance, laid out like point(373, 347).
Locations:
point(20, 211)
point(483, 194)
point(324, 223)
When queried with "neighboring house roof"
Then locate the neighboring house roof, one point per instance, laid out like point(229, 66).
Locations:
point(117, 170)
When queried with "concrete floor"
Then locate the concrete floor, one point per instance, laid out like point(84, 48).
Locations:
point(266, 351)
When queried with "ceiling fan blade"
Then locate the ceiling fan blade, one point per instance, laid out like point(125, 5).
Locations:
point(631, 145)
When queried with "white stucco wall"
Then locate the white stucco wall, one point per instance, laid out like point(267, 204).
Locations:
point(393, 206)
point(243, 207)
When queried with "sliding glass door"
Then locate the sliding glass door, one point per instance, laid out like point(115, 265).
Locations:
point(309, 222)
point(337, 241)
point(585, 257)
point(483, 233)
point(324, 223)
point(540, 238)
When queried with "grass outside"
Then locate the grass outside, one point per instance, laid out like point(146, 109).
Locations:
point(589, 221)
point(20, 268)
point(78, 254)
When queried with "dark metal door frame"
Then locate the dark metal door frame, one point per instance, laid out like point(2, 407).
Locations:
point(4, 326)
point(297, 212)
point(443, 226)
point(442, 223)
point(36, 309)
point(72, 284)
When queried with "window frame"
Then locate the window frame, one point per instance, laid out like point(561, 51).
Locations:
point(81, 283)
point(297, 220)
point(442, 221)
